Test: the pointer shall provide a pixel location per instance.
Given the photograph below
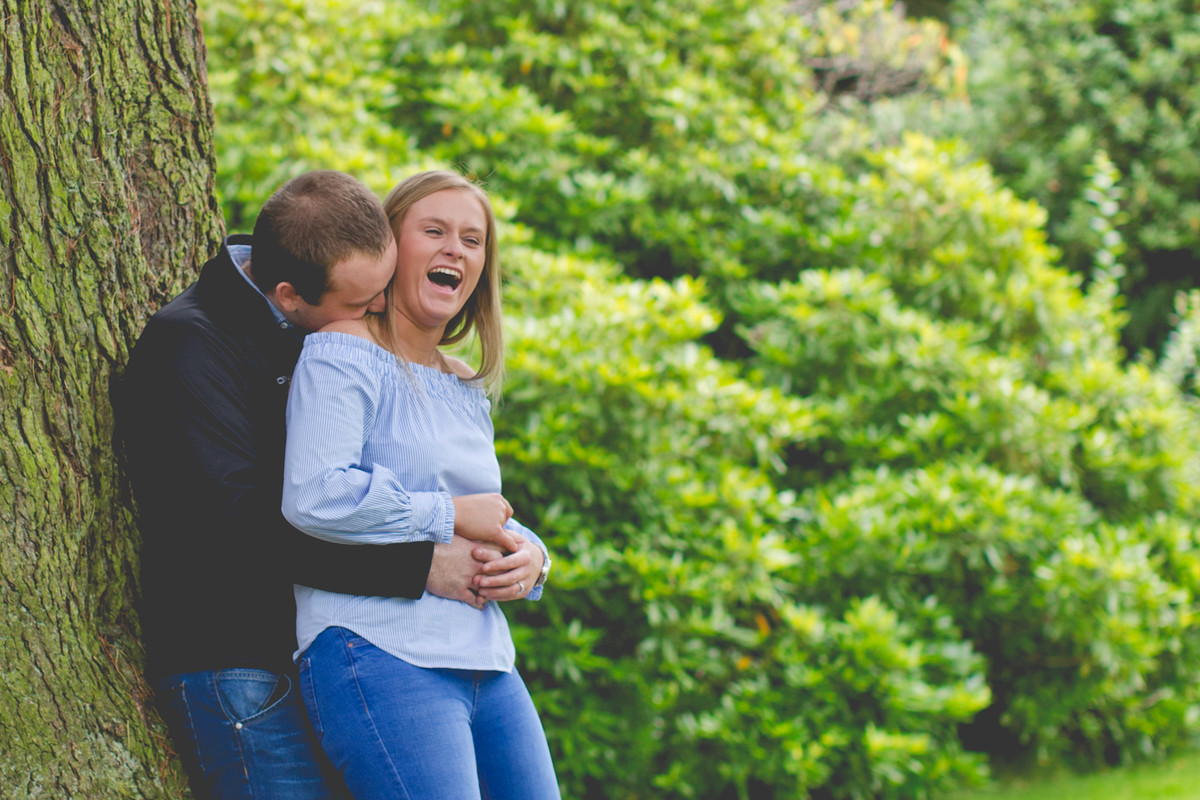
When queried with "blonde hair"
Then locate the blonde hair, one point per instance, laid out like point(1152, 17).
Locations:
point(481, 313)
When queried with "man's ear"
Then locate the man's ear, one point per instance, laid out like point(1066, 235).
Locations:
point(286, 297)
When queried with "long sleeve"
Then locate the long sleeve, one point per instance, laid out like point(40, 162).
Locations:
point(330, 490)
point(370, 438)
point(201, 411)
point(204, 453)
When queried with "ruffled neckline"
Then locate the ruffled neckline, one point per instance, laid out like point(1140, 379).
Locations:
point(431, 377)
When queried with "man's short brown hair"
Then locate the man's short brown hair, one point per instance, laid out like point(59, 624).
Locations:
point(312, 222)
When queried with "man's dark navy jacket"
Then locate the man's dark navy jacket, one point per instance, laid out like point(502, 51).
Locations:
point(201, 410)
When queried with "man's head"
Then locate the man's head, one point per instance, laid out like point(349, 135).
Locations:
point(323, 249)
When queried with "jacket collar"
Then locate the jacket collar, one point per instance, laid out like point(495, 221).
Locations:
point(226, 293)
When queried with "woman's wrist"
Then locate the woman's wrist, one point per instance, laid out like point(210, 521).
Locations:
point(545, 573)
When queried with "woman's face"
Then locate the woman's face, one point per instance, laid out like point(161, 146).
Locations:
point(439, 258)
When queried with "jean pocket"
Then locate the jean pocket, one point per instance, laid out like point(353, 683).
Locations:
point(246, 693)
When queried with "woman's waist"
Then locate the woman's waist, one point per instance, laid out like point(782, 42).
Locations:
point(429, 632)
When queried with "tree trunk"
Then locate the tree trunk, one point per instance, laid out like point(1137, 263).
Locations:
point(107, 207)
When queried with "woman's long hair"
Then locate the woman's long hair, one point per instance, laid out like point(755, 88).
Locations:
point(481, 313)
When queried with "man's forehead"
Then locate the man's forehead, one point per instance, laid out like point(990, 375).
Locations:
point(363, 271)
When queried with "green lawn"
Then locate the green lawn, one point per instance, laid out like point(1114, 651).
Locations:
point(1177, 779)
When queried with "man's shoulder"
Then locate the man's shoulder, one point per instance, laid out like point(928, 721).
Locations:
point(217, 297)
point(180, 310)
point(187, 333)
point(183, 319)
point(217, 306)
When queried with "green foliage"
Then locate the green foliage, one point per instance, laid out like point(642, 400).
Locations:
point(972, 444)
point(662, 135)
point(1082, 633)
point(847, 479)
point(1055, 82)
point(299, 85)
point(1182, 351)
point(943, 345)
point(635, 440)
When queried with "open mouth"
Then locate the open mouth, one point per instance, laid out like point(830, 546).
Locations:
point(444, 276)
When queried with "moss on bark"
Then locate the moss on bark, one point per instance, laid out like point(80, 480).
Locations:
point(107, 207)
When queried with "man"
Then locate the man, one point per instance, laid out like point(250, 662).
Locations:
point(201, 410)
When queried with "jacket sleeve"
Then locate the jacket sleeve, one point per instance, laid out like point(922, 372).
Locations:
point(205, 463)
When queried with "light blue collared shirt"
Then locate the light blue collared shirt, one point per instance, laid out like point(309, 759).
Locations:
point(240, 254)
point(375, 452)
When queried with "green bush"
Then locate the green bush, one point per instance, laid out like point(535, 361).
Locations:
point(1053, 83)
point(1083, 635)
point(655, 463)
point(976, 441)
point(302, 84)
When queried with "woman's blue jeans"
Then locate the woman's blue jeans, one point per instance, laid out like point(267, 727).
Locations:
point(243, 733)
point(397, 731)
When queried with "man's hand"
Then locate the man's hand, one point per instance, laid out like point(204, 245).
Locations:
point(482, 517)
point(454, 567)
point(510, 577)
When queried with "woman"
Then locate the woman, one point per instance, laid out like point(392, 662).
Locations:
point(390, 440)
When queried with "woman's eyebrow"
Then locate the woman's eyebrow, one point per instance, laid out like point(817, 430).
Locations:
point(441, 222)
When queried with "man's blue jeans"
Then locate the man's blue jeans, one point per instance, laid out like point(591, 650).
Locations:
point(399, 732)
point(243, 733)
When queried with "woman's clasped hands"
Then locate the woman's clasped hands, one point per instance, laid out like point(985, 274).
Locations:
point(485, 560)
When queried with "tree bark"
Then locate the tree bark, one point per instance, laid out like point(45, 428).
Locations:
point(107, 208)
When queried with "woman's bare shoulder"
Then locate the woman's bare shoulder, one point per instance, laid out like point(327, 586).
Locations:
point(357, 327)
point(459, 367)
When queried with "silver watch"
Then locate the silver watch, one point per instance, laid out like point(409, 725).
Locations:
point(545, 569)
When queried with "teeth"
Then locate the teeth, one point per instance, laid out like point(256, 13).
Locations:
point(445, 276)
